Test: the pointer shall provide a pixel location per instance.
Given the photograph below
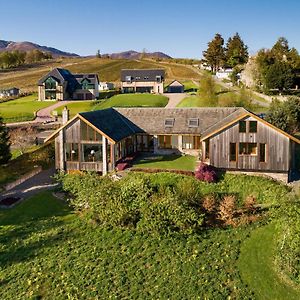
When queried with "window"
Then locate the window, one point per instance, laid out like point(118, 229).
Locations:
point(128, 79)
point(137, 78)
point(92, 152)
point(206, 156)
point(164, 141)
point(248, 149)
point(169, 122)
point(190, 142)
point(71, 152)
point(193, 122)
point(252, 126)
point(232, 152)
point(262, 153)
point(146, 77)
point(242, 126)
point(158, 79)
point(89, 134)
point(50, 83)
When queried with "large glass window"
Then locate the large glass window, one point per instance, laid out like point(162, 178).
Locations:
point(232, 152)
point(71, 152)
point(190, 142)
point(50, 95)
point(92, 152)
point(50, 84)
point(164, 141)
point(248, 149)
point(262, 153)
point(89, 134)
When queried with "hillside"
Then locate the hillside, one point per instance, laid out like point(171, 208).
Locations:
point(107, 69)
point(131, 54)
point(28, 46)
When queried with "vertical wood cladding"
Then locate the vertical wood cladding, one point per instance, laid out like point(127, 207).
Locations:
point(277, 148)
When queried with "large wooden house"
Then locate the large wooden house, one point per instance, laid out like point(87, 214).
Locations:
point(227, 138)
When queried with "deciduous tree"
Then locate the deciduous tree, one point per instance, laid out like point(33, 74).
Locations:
point(5, 154)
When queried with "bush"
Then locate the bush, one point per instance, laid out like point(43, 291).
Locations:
point(134, 202)
point(227, 209)
point(206, 173)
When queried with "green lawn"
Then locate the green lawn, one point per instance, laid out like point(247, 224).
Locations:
point(80, 106)
point(175, 162)
point(48, 252)
point(134, 100)
point(22, 109)
point(192, 101)
point(258, 270)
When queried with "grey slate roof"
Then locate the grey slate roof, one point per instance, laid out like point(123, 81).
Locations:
point(119, 123)
point(144, 74)
point(73, 80)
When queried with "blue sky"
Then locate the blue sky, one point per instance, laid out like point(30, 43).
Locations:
point(178, 28)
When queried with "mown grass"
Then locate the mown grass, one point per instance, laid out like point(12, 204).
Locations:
point(22, 109)
point(77, 107)
point(257, 268)
point(48, 252)
point(134, 100)
point(173, 162)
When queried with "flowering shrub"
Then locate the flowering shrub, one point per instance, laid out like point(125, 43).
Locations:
point(206, 173)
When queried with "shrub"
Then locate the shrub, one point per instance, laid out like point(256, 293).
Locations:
point(206, 173)
point(249, 203)
point(227, 209)
point(209, 203)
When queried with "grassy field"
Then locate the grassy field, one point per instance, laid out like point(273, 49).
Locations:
point(134, 100)
point(22, 109)
point(258, 269)
point(107, 69)
point(175, 162)
point(124, 100)
point(49, 252)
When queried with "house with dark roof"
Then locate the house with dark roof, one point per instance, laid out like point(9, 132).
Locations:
point(228, 138)
point(142, 81)
point(9, 92)
point(175, 87)
point(61, 84)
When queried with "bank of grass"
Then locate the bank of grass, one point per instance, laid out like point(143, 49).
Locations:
point(133, 100)
point(171, 162)
point(22, 109)
point(15, 168)
point(77, 107)
point(257, 268)
point(48, 252)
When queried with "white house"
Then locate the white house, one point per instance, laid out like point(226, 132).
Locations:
point(106, 86)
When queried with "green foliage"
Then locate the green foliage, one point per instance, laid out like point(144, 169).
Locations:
point(285, 115)
point(133, 203)
point(215, 53)
point(5, 154)
point(207, 90)
point(277, 66)
point(288, 238)
point(279, 76)
point(236, 51)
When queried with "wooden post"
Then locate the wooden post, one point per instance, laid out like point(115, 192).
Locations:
point(104, 156)
point(180, 143)
point(112, 156)
point(61, 150)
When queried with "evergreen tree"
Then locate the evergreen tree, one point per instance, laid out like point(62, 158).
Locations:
point(215, 53)
point(5, 154)
point(236, 51)
point(98, 54)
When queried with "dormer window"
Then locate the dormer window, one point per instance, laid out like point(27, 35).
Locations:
point(137, 78)
point(158, 79)
point(169, 122)
point(128, 79)
point(193, 122)
point(146, 77)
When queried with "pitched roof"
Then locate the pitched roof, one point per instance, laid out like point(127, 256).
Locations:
point(142, 74)
point(175, 83)
point(61, 75)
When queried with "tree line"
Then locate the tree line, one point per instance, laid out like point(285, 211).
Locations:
point(18, 58)
point(218, 55)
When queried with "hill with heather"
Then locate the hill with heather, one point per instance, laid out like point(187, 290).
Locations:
point(29, 46)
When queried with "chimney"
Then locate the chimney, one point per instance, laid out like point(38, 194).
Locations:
point(65, 115)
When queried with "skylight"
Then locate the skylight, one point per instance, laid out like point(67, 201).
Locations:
point(193, 122)
point(169, 122)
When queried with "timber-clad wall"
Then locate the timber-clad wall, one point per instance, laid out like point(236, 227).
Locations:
point(277, 148)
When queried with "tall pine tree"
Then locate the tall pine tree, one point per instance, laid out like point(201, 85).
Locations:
point(215, 55)
point(236, 51)
point(5, 154)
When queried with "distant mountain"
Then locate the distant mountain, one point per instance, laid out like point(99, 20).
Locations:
point(28, 46)
point(131, 54)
